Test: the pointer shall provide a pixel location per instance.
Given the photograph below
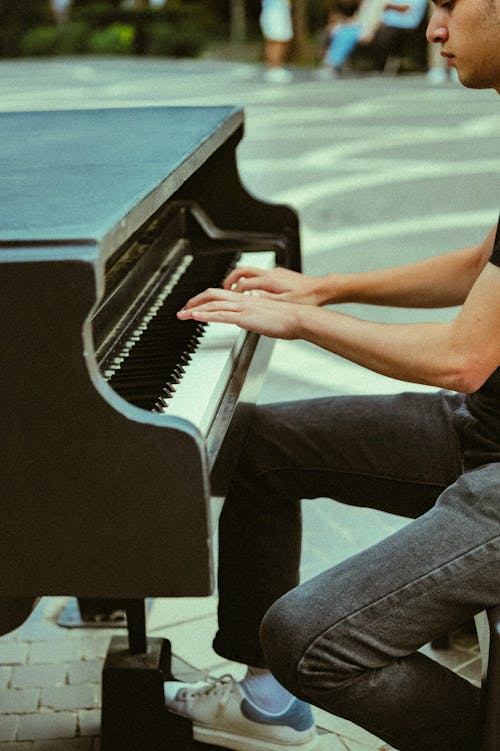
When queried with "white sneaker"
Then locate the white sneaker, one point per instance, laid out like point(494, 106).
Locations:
point(223, 715)
point(437, 76)
point(278, 75)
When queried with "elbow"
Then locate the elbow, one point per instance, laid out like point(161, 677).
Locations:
point(467, 377)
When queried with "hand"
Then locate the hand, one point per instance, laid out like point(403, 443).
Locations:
point(254, 311)
point(278, 283)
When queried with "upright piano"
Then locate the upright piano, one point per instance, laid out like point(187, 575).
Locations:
point(120, 424)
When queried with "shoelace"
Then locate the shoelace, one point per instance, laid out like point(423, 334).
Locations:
point(212, 685)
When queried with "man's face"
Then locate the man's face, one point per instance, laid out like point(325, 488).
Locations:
point(469, 34)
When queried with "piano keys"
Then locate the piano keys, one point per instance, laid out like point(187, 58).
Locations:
point(178, 369)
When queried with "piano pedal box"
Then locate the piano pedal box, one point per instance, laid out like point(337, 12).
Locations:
point(134, 717)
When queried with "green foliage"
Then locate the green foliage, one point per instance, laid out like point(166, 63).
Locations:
point(177, 29)
point(66, 39)
point(117, 39)
point(39, 41)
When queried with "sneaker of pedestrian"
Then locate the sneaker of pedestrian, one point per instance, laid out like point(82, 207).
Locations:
point(437, 76)
point(278, 75)
point(223, 715)
point(327, 73)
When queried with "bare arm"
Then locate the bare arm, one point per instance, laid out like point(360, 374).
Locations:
point(458, 355)
point(439, 282)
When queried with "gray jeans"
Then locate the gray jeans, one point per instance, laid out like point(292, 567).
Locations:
point(347, 640)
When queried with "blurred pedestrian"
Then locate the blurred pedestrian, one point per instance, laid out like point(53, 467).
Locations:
point(398, 23)
point(382, 28)
point(277, 29)
point(342, 33)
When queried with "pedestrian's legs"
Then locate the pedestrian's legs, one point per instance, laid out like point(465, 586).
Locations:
point(387, 41)
point(396, 453)
point(347, 640)
point(342, 43)
point(276, 25)
point(276, 53)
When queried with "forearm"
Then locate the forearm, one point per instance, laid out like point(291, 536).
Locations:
point(442, 281)
point(417, 353)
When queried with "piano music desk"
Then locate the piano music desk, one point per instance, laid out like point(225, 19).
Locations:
point(105, 491)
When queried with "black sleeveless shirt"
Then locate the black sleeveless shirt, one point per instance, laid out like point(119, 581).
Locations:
point(478, 420)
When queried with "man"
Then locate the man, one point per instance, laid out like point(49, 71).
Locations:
point(347, 640)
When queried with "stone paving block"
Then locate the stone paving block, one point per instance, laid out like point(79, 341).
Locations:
point(54, 651)
point(66, 744)
point(8, 727)
point(13, 652)
point(347, 730)
point(86, 696)
point(38, 675)
point(45, 725)
point(84, 672)
point(96, 647)
point(5, 676)
point(90, 722)
point(19, 701)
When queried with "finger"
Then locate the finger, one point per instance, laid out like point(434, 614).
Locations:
point(246, 284)
point(234, 278)
point(209, 306)
point(210, 294)
point(212, 313)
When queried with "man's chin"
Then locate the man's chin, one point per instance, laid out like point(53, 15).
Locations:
point(472, 81)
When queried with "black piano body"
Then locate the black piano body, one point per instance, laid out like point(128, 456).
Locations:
point(103, 493)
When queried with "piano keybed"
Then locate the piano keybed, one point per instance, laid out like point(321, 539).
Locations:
point(180, 367)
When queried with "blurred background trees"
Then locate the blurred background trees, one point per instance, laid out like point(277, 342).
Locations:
point(144, 27)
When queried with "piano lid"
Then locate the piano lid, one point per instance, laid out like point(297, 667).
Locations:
point(92, 177)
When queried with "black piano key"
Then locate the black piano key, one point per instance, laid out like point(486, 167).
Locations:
point(155, 352)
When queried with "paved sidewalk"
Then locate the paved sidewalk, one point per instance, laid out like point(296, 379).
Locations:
point(50, 676)
point(381, 170)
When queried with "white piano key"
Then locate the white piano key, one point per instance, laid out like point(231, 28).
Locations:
point(202, 386)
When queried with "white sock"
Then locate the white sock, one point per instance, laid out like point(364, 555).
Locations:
point(265, 691)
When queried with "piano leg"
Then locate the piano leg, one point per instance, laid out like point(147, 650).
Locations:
point(134, 717)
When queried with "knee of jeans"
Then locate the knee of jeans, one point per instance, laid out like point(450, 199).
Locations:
point(307, 661)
